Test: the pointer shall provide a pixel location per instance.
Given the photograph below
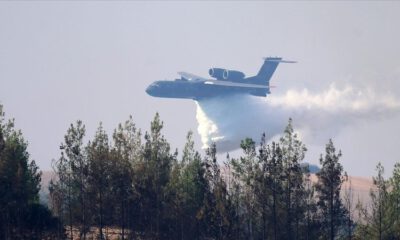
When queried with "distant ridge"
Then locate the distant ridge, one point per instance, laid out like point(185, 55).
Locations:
point(44, 190)
point(360, 185)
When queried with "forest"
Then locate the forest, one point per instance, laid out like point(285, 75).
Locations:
point(132, 185)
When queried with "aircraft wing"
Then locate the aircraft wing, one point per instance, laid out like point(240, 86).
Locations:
point(191, 77)
point(233, 84)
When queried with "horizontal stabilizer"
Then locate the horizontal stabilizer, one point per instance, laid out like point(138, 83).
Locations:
point(278, 60)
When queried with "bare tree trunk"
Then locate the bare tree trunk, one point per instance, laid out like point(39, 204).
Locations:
point(182, 229)
point(289, 208)
point(264, 221)
point(123, 219)
point(83, 210)
point(101, 214)
point(274, 216)
point(332, 231)
point(70, 210)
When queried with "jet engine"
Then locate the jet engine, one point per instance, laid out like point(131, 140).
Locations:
point(232, 75)
point(217, 73)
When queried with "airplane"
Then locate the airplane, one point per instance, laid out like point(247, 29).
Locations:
point(225, 82)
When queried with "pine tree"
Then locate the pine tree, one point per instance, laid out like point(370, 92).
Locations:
point(216, 211)
point(20, 181)
point(155, 169)
point(235, 190)
point(195, 187)
point(186, 192)
point(293, 152)
point(376, 221)
point(269, 190)
point(21, 214)
point(394, 196)
point(98, 152)
point(174, 202)
point(245, 170)
point(68, 191)
point(330, 179)
point(77, 161)
point(124, 155)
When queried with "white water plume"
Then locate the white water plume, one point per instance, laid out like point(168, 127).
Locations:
point(227, 120)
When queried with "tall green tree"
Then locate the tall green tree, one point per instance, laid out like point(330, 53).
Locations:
point(69, 190)
point(74, 152)
point(293, 152)
point(21, 215)
point(186, 191)
point(394, 196)
point(124, 155)
point(75, 156)
point(245, 169)
point(330, 179)
point(376, 221)
point(217, 208)
point(270, 188)
point(99, 166)
point(155, 168)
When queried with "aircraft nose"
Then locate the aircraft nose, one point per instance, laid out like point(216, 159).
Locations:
point(151, 88)
point(148, 89)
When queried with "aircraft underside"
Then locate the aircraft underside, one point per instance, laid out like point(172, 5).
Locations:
point(198, 91)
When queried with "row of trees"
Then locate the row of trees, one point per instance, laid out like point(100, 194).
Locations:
point(137, 184)
point(144, 188)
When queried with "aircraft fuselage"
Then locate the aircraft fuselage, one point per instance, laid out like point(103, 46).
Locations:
point(198, 90)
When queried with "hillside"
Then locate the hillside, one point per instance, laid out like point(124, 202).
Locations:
point(44, 192)
point(360, 187)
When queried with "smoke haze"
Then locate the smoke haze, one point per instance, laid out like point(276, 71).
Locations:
point(316, 116)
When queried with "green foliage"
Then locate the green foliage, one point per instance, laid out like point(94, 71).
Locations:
point(136, 183)
point(378, 220)
point(394, 201)
point(245, 171)
point(186, 191)
point(293, 151)
point(124, 154)
point(21, 215)
point(217, 208)
point(330, 179)
point(69, 195)
point(269, 190)
point(98, 154)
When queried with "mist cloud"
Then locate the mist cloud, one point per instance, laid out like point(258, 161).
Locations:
point(317, 116)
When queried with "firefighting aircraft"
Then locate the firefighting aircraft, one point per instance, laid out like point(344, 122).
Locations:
point(224, 82)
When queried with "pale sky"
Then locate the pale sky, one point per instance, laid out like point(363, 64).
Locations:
point(62, 61)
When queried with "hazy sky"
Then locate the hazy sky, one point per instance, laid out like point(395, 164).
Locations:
point(62, 61)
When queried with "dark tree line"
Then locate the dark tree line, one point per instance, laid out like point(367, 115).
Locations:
point(137, 184)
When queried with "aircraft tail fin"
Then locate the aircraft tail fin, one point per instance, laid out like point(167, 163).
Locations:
point(267, 70)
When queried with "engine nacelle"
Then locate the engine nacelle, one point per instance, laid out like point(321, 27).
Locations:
point(232, 75)
point(217, 73)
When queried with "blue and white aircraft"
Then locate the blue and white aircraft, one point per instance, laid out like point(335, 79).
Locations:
point(225, 82)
